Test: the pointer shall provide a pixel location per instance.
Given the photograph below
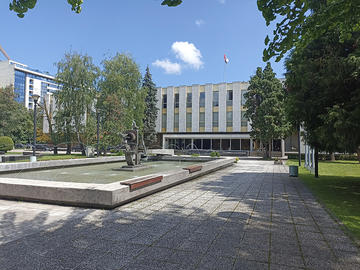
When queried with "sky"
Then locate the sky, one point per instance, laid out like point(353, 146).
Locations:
point(182, 45)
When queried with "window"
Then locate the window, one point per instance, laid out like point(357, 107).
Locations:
point(243, 119)
point(215, 144)
point(31, 81)
point(215, 119)
point(176, 120)
point(164, 101)
point(216, 99)
point(188, 100)
point(163, 120)
point(31, 87)
point(197, 144)
point(202, 119)
point(229, 119)
point(225, 144)
point(188, 120)
point(229, 98)
point(202, 99)
point(235, 144)
point(206, 144)
point(176, 101)
point(243, 99)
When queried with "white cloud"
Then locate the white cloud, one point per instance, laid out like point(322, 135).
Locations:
point(199, 22)
point(188, 53)
point(222, 1)
point(168, 66)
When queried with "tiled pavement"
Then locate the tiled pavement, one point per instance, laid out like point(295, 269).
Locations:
point(249, 216)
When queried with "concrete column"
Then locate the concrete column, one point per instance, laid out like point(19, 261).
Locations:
point(222, 107)
point(208, 107)
point(170, 109)
point(282, 148)
point(236, 107)
point(182, 109)
point(195, 108)
point(158, 105)
point(251, 145)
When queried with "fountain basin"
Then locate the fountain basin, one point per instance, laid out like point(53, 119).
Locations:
point(100, 195)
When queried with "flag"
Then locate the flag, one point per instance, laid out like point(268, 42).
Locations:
point(226, 59)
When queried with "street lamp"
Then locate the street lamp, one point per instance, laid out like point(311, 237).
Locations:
point(35, 98)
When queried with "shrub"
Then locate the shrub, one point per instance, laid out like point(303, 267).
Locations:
point(214, 154)
point(195, 155)
point(6, 143)
point(237, 159)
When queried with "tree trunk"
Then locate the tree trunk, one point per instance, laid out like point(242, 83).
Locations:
point(270, 148)
point(55, 150)
point(332, 157)
point(316, 162)
point(358, 153)
point(68, 149)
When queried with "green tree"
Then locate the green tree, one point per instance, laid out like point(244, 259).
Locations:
point(300, 22)
point(265, 104)
point(324, 92)
point(74, 117)
point(151, 109)
point(121, 98)
point(22, 6)
point(15, 120)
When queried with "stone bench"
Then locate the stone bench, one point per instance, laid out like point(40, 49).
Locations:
point(142, 182)
point(193, 168)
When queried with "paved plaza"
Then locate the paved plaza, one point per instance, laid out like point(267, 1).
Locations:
point(248, 216)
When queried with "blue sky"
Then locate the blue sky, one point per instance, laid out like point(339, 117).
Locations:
point(184, 45)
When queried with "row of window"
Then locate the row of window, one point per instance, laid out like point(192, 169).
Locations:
point(215, 101)
point(215, 120)
point(209, 144)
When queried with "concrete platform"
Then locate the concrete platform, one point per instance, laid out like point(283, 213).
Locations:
point(105, 196)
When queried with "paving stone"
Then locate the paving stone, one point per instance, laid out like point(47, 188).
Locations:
point(186, 258)
point(216, 262)
point(285, 260)
point(242, 264)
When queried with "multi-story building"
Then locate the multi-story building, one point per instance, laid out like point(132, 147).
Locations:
point(209, 117)
point(26, 82)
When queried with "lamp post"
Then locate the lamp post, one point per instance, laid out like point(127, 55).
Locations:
point(35, 98)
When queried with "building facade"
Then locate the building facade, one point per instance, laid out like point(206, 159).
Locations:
point(208, 117)
point(26, 82)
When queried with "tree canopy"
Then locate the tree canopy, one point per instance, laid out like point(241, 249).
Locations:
point(323, 82)
point(151, 109)
point(15, 121)
point(300, 22)
point(265, 104)
point(22, 6)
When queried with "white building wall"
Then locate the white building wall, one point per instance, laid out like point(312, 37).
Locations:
point(222, 107)
point(170, 109)
point(195, 108)
point(236, 107)
point(182, 109)
point(208, 107)
point(158, 105)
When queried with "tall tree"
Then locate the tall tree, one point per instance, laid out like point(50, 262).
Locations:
point(121, 98)
point(151, 109)
point(15, 121)
point(77, 76)
point(323, 82)
point(300, 22)
point(265, 103)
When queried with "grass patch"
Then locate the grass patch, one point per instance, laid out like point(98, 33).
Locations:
point(13, 153)
point(338, 188)
point(52, 157)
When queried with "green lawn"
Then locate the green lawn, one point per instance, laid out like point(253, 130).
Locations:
point(53, 157)
point(338, 188)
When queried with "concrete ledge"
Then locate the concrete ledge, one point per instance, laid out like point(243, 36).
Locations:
point(23, 166)
point(105, 196)
point(169, 152)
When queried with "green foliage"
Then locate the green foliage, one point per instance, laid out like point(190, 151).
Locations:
point(75, 117)
point(214, 154)
point(265, 104)
point(121, 98)
point(300, 22)
point(195, 155)
point(22, 6)
point(237, 160)
point(15, 120)
point(324, 92)
point(151, 109)
point(6, 143)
